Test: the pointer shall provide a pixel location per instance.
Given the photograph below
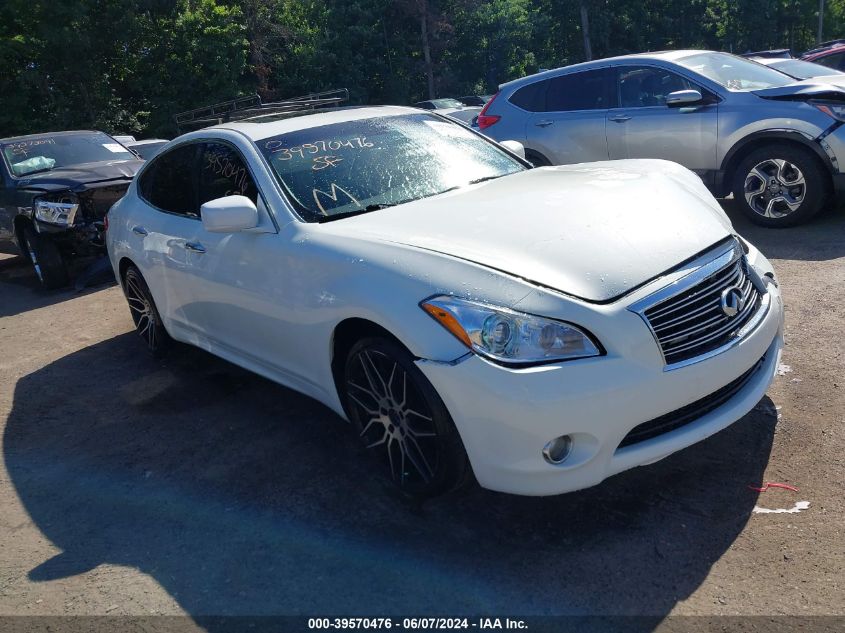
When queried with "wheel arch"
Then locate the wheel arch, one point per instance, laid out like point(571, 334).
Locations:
point(21, 222)
point(345, 335)
point(752, 142)
point(532, 153)
point(122, 266)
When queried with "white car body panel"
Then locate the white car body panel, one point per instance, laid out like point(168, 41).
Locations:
point(564, 243)
point(551, 236)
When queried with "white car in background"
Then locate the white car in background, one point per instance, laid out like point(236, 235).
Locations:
point(545, 328)
point(452, 108)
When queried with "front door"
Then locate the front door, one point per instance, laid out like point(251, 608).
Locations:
point(241, 302)
point(643, 126)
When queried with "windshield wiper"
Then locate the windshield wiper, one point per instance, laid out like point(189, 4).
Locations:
point(485, 179)
point(339, 216)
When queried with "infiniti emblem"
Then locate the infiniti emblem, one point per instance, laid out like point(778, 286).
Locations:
point(732, 301)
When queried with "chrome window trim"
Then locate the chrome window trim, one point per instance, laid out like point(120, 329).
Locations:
point(697, 271)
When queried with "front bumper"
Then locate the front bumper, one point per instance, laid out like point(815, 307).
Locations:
point(506, 416)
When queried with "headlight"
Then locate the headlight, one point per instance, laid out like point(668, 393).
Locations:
point(835, 110)
point(510, 337)
point(60, 211)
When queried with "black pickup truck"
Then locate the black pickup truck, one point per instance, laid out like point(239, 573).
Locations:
point(55, 190)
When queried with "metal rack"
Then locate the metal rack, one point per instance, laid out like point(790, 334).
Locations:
point(251, 108)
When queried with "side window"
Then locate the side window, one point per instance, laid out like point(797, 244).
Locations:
point(832, 61)
point(223, 173)
point(530, 97)
point(588, 90)
point(644, 86)
point(169, 182)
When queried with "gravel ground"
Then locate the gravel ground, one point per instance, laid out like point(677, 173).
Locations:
point(135, 486)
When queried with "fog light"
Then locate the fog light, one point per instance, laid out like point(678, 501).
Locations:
point(556, 451)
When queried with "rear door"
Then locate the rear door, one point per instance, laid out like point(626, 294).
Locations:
point(643, 126)
point(569, 124)
point(169, 212)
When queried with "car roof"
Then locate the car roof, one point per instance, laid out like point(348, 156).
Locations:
point(25, 137)
point(669, 56)
point(258, 130)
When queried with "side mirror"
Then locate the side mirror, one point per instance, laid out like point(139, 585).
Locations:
point(514, 146)
point(229, 214)
point(681, 98)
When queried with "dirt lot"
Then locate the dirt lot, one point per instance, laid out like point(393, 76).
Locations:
point(136, 486)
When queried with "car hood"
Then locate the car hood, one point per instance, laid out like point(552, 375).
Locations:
point(594, 230)
point(80, 177)
point(824, 87)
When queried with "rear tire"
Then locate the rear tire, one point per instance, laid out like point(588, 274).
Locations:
point(46, 259)
point(537, 159)
point(144, 312)
point(401, 419)
point(781, 185)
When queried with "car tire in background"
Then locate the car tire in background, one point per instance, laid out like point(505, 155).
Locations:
point(46, 259)
point(781, 185)
point(144, 312)
point(401, 419)
point(537, 159)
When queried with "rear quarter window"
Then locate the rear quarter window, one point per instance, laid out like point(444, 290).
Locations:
point(530, 97)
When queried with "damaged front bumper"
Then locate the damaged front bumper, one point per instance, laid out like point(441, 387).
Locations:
point(75, 220)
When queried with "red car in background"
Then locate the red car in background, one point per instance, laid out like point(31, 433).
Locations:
point(830, 54)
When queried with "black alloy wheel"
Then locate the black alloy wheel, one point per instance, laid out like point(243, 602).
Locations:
point(145, 315)
point(401, 419)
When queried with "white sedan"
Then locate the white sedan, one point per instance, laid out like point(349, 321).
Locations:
point(542, 329)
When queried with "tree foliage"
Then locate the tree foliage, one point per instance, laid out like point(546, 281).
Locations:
point(129, 65)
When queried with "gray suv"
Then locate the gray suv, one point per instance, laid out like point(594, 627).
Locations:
point(746, 129)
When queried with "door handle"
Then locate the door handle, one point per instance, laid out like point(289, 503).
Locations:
point(544, 123)
point(620, 118)
point(139, 230)
point(195, 247)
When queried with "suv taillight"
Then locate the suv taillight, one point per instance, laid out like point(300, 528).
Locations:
point(486, 120)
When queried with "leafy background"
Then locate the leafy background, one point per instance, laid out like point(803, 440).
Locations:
point(126, 66)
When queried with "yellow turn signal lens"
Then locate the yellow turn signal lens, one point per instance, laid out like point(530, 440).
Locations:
point(447, 320)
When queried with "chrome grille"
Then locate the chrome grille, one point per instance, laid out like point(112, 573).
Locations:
point(692, 322)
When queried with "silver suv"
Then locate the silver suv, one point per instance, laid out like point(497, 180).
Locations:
point(746, 129)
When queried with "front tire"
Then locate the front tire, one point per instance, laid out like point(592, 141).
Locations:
point(780, 185)
point(46, 259)
point(144, 312)
point(401, 419)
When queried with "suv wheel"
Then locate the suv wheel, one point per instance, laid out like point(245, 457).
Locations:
point(46, 259)
point(401, 420)
point(780, 185)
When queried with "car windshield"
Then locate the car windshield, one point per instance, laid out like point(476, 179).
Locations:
point(803, 70)
point(46, 152)
point(735, 73)
point(148, 150)
point(353, 167)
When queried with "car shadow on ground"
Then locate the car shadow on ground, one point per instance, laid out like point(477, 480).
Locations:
point(26, 293)
point(820, 239)
point(241, 497)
